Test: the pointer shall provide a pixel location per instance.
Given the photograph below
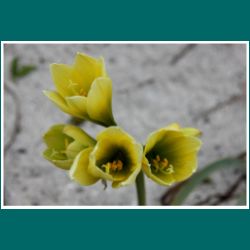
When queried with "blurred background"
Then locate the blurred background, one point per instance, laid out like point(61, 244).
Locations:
point(196, 85)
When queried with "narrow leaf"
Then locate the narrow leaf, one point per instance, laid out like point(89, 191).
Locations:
point(188, 186)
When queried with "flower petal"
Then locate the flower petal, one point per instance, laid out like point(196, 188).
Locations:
point(97, 157)
point(175, 144)
point(87, 68)
point(79, 135)
point(55, 138)
point(99, 101)
point(103, 68)
point(61, 75)
point(77, 104)
point(74, 148)
point(60, 163)
point(191, 132)
point(79, 170)
point(172, 126)
point(185, 167)
point(57, 99)
point(152, 139)
point(114, 133)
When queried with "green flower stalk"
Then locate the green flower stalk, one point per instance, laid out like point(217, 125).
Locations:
point(170, 154)
point(83, 89)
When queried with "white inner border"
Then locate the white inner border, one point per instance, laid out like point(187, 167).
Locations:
point(123, 42)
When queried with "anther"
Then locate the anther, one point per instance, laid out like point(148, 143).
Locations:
point(162, 165)
point(116, 165)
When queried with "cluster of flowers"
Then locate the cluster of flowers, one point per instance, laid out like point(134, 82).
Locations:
point(84, 90)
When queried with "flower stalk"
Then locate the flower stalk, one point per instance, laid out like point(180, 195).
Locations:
point(140, 187)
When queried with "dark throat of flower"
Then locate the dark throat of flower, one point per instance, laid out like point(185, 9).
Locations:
point(77, 89)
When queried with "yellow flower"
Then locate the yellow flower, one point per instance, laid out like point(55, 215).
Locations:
point(83, 89)
point(116, 157)
point(64, 142)
point(170, 154)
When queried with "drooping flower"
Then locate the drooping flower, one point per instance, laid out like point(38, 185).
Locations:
point(115, 157)
point(170, 154)
point(83, 89)
point(64, 142)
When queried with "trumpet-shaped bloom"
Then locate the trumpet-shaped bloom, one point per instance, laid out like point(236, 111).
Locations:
point(64, 142)
point(83, 89)
point(116, 157)
point(170, 154)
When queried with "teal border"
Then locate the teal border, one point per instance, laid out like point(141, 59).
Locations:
point(133, 20)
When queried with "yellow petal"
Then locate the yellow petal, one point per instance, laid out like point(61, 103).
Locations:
point(79, 135)
point(191, 131)
point(100, 151)
point(172, 143)
point(185, 167)
point(55, 138)
point(74, 148)
point(62, 76)
point(103, 68)
point(176, 147)
point(63, 164)
point(114, 133)
point(99, 101)
point(77, 104)
point(57, 99)
point(60, 163)
point(153, 138)
point(173, 126)
point(157, 135)
point(87, 69)
point(79, 170)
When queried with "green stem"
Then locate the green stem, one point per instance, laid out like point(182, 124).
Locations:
point(140, 186)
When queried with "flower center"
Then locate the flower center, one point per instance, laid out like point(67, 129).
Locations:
point(161, 165)
point(76, 89)
point(82, 92)
point(114, 166)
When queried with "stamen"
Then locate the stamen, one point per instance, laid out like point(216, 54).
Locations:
point(72, 84)
point(74, 87)
point(66, 142)
point(83, 92)
point(161, 165)
point(114, 166)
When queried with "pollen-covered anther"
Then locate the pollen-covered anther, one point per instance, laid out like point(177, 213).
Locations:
point(66, 142)
point(83, 92)
point(116, 165)
point(162, 165)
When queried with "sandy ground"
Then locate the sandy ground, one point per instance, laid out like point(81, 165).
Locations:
point(201, 86)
